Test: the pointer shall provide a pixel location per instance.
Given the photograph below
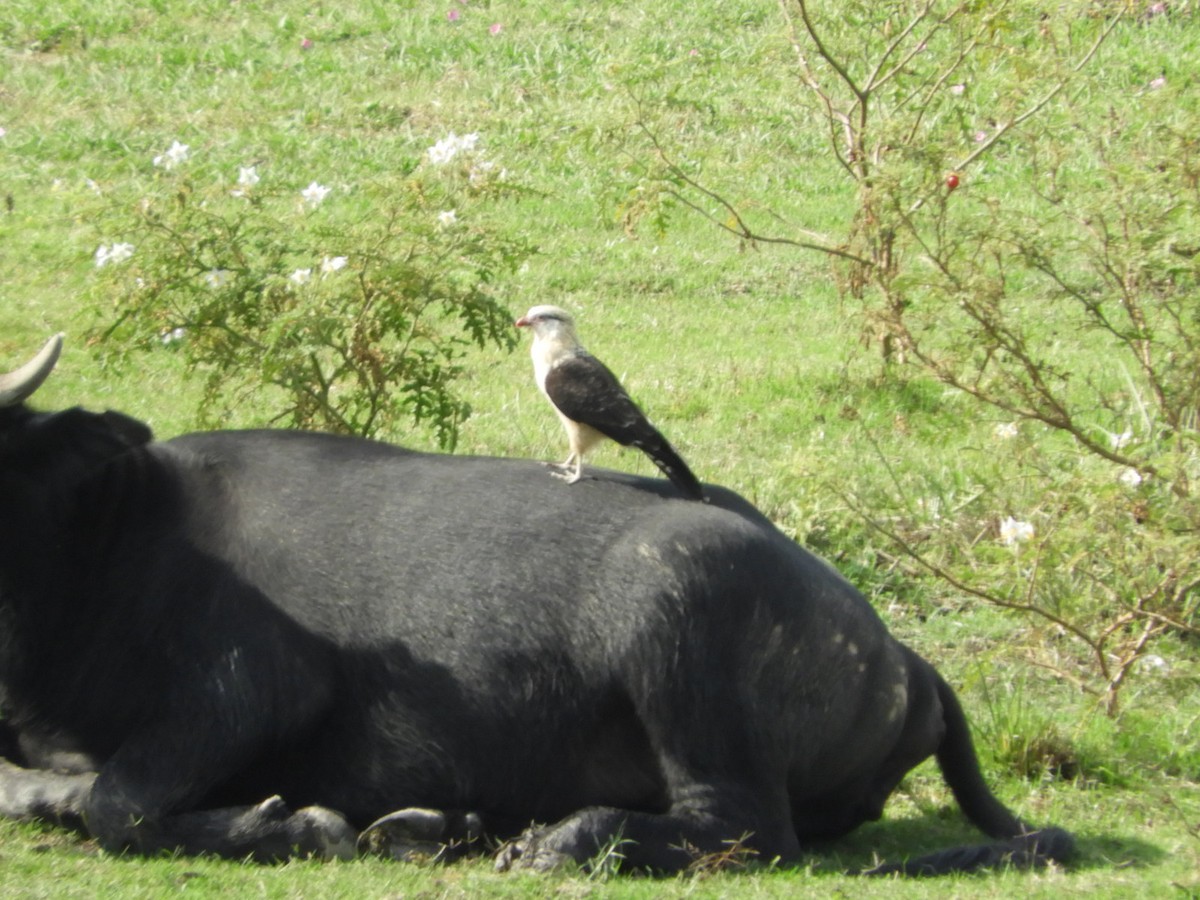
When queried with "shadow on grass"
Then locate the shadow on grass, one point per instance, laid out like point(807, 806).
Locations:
point(887, 840)
point(935, 830)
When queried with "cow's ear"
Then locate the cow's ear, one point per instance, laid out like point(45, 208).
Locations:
point(71, 441)
point(132, 431)
point(91, 436)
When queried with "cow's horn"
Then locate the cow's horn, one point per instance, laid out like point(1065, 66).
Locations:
point(16, 386)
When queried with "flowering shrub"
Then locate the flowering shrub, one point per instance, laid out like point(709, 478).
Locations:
point(340, 309)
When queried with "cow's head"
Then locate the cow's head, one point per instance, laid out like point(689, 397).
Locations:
point(55, 449)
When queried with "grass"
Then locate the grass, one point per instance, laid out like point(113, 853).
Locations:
point(748, 359)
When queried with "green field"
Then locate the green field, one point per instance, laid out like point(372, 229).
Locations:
point(750, 356)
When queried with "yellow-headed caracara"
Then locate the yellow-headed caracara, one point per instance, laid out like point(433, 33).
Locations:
point(591, 402)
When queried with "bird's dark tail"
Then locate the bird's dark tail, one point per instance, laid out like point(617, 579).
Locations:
point(673, 466)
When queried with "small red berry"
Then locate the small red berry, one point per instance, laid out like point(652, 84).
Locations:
point(951, 181)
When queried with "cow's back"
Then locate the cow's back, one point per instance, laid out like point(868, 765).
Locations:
point(359, 539)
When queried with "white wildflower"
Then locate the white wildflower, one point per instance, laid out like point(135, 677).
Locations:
point(1119, 440)
point(1013, 532)
point(117, 253)
point(315, 193)
point(1155, 662)
point(176, 154)
point(446, 218)
point(1130, 477)
point(247, 178)
point(301, 276)
point(442, 152)
point(1006, 430)
point(217, 278)
point(172, 335)
point(452, 145)
point(332, 264)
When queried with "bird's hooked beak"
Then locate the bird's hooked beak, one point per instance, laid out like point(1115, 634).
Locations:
point(522, 322)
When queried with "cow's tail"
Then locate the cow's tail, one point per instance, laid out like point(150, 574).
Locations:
point(1017, 844)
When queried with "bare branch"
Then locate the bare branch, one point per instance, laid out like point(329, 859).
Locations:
point(833, 116)
point(950, 578)
point(740, 227)
point(826, 55)
point(875, 80)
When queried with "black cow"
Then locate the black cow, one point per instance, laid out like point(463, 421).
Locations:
point(192, 630)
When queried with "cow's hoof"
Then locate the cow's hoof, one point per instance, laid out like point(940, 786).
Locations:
point(323, 833)
point(525, 853)
point(271, 809)
point(418, 835)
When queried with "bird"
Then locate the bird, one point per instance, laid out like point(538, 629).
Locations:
point(591, 402)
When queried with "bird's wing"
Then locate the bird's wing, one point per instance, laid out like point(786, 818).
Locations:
point(585, 390)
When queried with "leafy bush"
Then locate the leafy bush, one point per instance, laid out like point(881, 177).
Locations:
point(355, 305)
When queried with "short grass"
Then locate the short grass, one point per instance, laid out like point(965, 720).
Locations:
point(748, 358)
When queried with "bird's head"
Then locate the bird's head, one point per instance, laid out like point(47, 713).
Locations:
point(548, 322)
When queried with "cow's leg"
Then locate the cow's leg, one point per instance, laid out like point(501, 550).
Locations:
point(43, 778)
point(705, 820)
point(144, 796)
point(72, 795)
point(265, 688)
point(118, 811)
point(266, 832)
point(724, 785)
point(40, 794)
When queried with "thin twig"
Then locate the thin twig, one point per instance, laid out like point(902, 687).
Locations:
point(1037, 107)
point(956, 582)
point(742, 229)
